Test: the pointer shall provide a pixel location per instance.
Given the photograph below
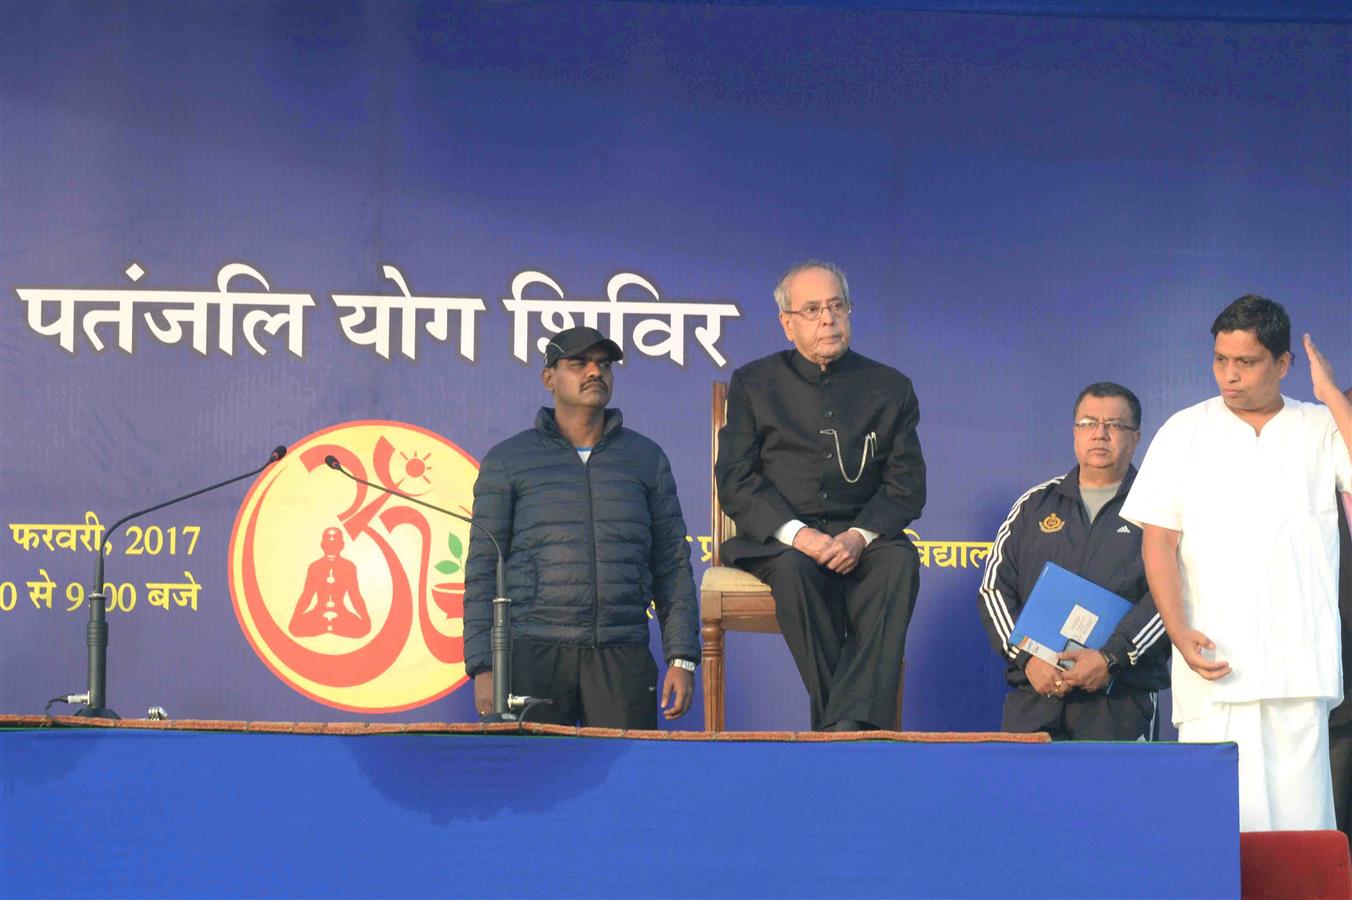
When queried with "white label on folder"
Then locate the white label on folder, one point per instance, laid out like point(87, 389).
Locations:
point(1078, 624)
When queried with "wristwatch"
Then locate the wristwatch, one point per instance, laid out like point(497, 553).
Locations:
point(686, 664)
point(1110, 659)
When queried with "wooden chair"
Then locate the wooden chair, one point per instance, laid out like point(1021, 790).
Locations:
point(730, 599)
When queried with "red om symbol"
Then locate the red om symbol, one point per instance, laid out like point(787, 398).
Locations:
point(375, 521)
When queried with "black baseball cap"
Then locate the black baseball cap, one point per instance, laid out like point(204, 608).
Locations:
point(573, 342)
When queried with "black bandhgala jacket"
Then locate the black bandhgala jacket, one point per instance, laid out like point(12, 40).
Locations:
point(835, 449)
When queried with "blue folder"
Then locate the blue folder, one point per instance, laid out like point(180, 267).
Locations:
point(1065, 612)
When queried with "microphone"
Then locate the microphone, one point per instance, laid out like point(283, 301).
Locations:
point(505, 703)
point(96, 633)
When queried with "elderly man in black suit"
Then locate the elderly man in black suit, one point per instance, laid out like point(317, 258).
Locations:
point(820, 467)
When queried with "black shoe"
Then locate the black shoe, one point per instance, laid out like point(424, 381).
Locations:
point(848, 725)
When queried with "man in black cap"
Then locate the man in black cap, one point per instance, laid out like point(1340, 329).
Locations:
point(587, 516)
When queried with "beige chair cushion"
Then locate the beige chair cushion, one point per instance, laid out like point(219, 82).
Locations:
point(727, 580)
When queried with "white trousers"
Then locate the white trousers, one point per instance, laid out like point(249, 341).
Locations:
point(1284, 778)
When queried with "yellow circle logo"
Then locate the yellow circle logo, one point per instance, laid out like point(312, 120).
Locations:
point(352, 596)
point(1052, 524)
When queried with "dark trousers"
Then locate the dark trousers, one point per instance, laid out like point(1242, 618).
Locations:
point(1340, 761)
point(847, 633)
point(604, 687)
point(1126, 714)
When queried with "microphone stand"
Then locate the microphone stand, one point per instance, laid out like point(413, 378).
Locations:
point(96, 632)
point(506, 705)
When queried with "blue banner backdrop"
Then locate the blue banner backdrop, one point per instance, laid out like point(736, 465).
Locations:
point(225, 226)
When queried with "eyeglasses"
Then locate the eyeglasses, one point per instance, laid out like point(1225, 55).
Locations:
point(813, 311)
point(1114, 426)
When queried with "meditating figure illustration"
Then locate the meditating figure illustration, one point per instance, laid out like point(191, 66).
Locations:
point(331, 601)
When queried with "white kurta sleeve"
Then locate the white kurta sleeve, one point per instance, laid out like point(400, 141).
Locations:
point(1156, 496)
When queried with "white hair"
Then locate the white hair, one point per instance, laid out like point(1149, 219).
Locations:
point(782, 290)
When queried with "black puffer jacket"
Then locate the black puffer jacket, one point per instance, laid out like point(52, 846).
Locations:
point(587, 545)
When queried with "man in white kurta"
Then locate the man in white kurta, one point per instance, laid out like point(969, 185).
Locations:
point(1235, 497)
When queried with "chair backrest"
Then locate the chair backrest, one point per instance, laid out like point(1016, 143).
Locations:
point(722, 527)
